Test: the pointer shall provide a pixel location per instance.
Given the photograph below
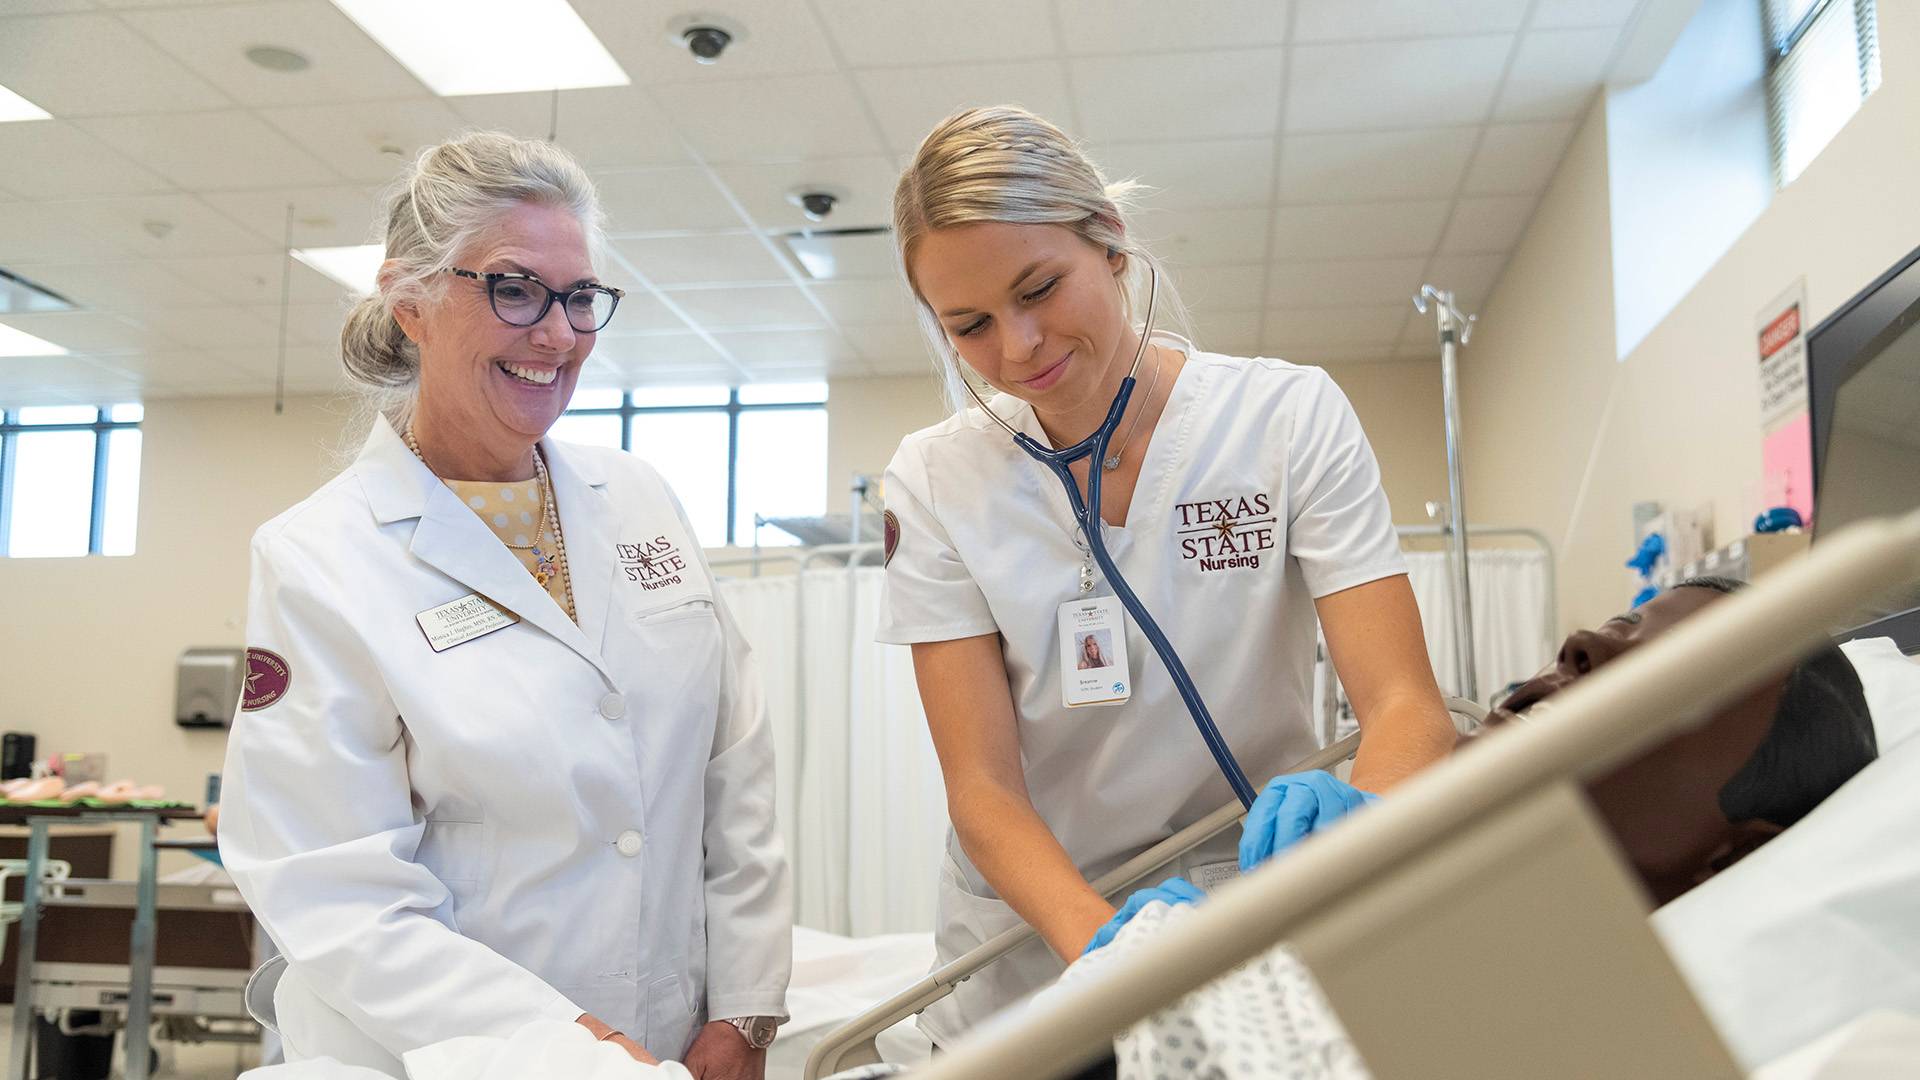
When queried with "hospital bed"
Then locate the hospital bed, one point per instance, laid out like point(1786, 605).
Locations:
point(1481, 922)
point(1487, 880)
point(854, 1043)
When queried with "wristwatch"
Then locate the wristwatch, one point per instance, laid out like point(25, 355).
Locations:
point(757, 1030)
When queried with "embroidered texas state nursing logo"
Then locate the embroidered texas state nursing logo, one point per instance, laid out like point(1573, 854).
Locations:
point(1225, 534)
point(266, 680)
point(654, 563)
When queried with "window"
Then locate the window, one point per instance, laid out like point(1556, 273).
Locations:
point(729, 454)
point(69, 480)
point(1823, 60)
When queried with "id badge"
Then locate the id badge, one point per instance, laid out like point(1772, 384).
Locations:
point(1093, 652)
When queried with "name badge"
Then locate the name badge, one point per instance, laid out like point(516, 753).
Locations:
point(1093, 652)
point(457, 623)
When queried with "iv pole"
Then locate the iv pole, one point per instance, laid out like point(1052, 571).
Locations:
point(1454, 329)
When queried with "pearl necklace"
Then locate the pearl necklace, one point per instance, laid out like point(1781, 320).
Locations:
point(545, 567)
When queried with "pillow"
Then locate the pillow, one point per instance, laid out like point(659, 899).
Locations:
point(1892, 684)
point(1817, 927)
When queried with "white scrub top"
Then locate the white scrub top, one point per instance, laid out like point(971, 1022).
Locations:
point(1258, 494)
point(546, 820)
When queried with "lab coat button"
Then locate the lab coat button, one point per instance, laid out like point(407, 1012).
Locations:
point(613, 706)
point(629, 843)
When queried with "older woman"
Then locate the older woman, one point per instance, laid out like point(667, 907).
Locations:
point(502, 754)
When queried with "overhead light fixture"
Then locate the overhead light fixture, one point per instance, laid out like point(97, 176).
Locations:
point(826, 254)
point(15, 107)
point(17, 294)
point(20, 343)
point(462, 47)
point(356, 267)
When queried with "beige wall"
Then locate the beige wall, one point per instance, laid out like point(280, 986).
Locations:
point(867, 418)
point(1399, 406)
point(1563, 437)
point(89, 645)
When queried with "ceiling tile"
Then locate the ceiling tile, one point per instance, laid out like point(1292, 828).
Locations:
point(1349, 20)
point(1394, 84)
point(887, 33)
point(367, 142)
point(664, 200)
point(45, 7)
point(1558, 14)
point(770, 119)
point(52, 232)
point(864, 303)
point(1487, 225)
point(1220, 288)
point(249, 280)
point(1155, 26)
point(51, 159)
point(307, 324)
point(1386, 165)
point(1188, 96)
point(1517, 159)
point(90, 65)
point(210, 151)
point(603, 127)
point(702, 260)
point(640, 311)
point(346, 64)
point(237, 327)
point(772, 37)
point(1470, 277)
point(1206, 237)
point(797, 351)
point(1368, 327)
point(337, 216)
point(61, 380)
point(1555, 74)
point(1207, 175)
point(635, 354)
point(908, 102)
point(1345, 283)
point(166, 226)
point(863, 185)
point(1362, 230)
point(82, 331)
point(1227, 330)
point(751, 306)
point(895, 345)
point(116, 286)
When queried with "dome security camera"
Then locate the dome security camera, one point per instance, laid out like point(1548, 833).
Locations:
point(815, 204)
point(706, 43)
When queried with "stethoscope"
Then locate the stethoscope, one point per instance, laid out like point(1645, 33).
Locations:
point(1087, 514)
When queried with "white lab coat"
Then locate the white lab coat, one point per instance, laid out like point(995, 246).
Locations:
point(548, 820)
point(1258, 494)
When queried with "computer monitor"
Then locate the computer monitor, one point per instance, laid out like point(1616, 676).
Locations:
point(1863, 387)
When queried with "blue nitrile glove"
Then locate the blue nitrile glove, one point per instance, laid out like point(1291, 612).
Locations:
point(1292, 806)
point(1174, 890)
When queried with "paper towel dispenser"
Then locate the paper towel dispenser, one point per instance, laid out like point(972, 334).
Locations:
point(207, 686)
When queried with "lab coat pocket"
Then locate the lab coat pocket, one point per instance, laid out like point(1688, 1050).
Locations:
point(670, 1015)
point(698, 608)
point(456, 852)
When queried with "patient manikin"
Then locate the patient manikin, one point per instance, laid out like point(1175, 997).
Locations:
point(1681, 813)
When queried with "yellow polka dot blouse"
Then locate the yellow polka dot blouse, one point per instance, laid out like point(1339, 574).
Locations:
point(513, 511)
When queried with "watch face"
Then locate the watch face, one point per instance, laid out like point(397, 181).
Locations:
point(760, 1035)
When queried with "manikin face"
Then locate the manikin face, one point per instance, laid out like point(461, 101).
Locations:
point(495, 383)
point(1034, 310)
point(1664, 807)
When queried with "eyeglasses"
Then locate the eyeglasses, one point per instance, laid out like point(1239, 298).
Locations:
point(523, 300)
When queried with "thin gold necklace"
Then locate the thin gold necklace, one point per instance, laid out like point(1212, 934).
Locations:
point(1112, 461)
point(545, 566)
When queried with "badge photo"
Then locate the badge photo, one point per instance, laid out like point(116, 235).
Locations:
point(1093, 652)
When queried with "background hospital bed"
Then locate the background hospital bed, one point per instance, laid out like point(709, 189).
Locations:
point(1488, 879)
point(854, 1042)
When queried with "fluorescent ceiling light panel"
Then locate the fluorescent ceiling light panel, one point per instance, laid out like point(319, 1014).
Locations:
point(20, 343)
point(15, 107)
point(488, 46)
point(358, 267)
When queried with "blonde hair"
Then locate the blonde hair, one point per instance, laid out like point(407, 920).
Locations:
point(451, 194)
point(1003, 164)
